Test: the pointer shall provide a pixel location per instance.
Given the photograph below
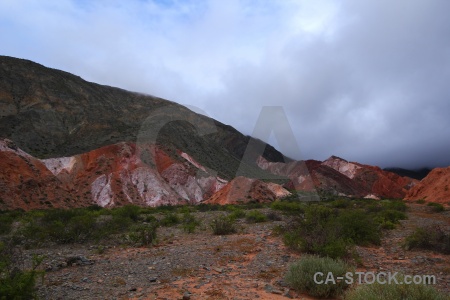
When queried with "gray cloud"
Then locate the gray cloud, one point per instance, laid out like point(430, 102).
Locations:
point(367, 81)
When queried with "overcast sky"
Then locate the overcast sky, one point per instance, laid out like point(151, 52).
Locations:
point(365, 80)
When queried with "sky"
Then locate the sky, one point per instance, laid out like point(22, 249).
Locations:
point(368, 81)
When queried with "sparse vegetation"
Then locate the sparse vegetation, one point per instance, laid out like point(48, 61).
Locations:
point(332, 228)
point(300, 276)
point(255, 217)
point(223, 225)
point(431, 238)
point(143, 234)
point(189, 223)
point(437, 207)
point(170, 219)
point(394, 292)
point(16, 282)
point(289, 207)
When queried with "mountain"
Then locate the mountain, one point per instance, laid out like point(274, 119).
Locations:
point(116, 175)
point(339, 176)
point(418, 174)
point(435, 187)
point(66, 142)
point(51, 113)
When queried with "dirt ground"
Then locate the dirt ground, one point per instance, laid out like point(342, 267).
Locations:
point(247, 265)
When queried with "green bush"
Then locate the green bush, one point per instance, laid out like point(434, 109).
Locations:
point(16, 282)
point(394, 292)
point(223, 225)
point(300, 276)
point(437, 207)
point(143, 234)
point(340, 203)
point(202, 207)
point(287, 207)
point(6, 220)
point(393, 216)
point(431, 238)
point(359, 227)
point(127, 211)
point(189, 223)
point(255, 217)
point(331, 232)
point(397, 205)
point(237, 213)
point(170, 219)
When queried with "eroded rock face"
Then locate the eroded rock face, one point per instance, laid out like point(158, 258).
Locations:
point(26, 183)
point(243, 190)
point(375, 181)
point(338, 176)
point(109, 176)
point(435, 187)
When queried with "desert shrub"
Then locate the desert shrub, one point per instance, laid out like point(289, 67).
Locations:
point(287, 207)
point(437, 207)
point(358, 227)
point(186, 209)
point(340, 203)
point(431, 238)
point(202, 207)
point(317, 233)
point(223, 225)
point(170, 219)
point(397, 205)
point(189, 223)
point(127, 211)
point(387, 225)
point(252, 205)
point(300, 276)
point(390, 215)
point(150, 219)
point(237, 213)
point(331, 232)
point(394, 292)
point(420, 201)
point(255, 217)
point(143, 234)
point(15, 281)
point(6, 220)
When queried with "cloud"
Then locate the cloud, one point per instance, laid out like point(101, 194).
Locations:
point(367, 81)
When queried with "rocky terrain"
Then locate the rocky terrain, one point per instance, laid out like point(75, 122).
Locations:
point(247, 265)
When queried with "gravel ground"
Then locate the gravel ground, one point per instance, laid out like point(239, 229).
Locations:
point(246, 265)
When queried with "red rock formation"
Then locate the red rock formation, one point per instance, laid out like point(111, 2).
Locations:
point(372, 179)
point(336, 175)
point(243, 190)
point(109, 176)
point(25, 182)
point(435, 187)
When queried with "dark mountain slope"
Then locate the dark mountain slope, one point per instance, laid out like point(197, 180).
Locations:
point(416, 174)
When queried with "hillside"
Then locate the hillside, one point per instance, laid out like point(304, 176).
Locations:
point(433, 188)
point(51, 113)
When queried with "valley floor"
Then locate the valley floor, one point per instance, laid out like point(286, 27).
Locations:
point(247, 265)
